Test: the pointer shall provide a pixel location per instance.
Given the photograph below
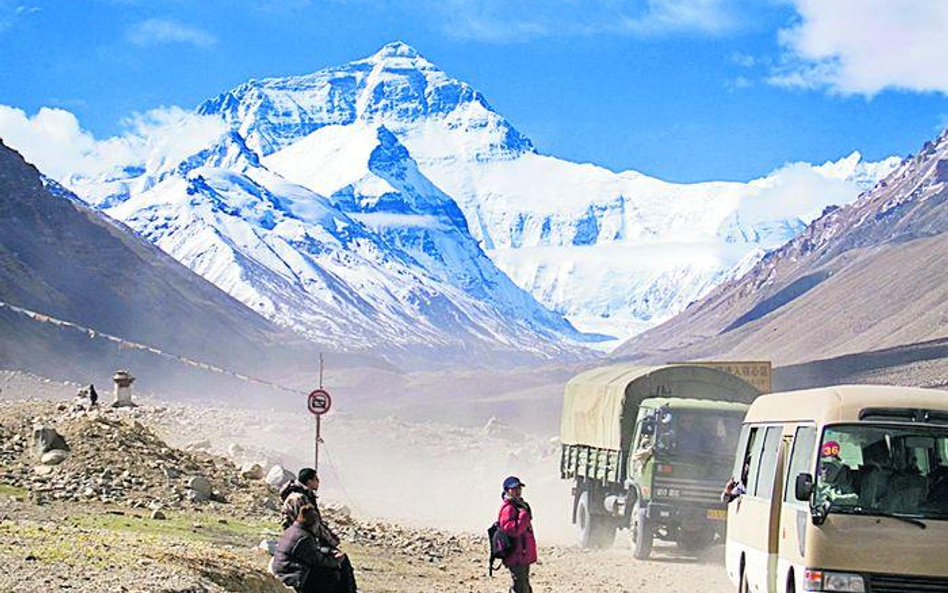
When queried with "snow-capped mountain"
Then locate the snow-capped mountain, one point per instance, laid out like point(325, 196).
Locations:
point(614, 252)
point(385, 265)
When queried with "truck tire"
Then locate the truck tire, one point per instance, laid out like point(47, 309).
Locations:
point(640, 533)
point(595, 531)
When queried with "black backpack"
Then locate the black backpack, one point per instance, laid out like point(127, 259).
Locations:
point(500, 546)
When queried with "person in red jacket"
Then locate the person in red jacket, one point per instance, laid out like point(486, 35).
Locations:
point(516, 520)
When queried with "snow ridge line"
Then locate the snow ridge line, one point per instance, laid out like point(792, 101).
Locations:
point(128, 344)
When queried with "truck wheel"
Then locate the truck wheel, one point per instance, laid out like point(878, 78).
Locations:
point(595, 531)
point(640, 533)
point(584, 520)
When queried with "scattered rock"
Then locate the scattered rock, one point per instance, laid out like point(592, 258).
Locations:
point(251, 471)
point(54, 457)
point(46, 439)
point(268, 545)
point(43, 470)
point(204, 445)
point(158, 515)
point(278, 475)
point(199, 489)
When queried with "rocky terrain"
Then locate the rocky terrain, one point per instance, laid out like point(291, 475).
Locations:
point(114, 506)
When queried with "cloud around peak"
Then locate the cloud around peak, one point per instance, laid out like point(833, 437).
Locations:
point(159, 31)
point(506, 21)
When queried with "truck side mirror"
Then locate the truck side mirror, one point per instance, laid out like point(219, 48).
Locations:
point(648, 426)
point(804, 487)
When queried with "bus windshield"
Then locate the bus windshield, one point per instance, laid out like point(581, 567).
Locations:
point(884, 470)
point(704, 432)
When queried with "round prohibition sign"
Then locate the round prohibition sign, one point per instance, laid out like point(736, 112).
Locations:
point(319, 402)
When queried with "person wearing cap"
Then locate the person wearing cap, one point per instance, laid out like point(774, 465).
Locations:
point(516, 520)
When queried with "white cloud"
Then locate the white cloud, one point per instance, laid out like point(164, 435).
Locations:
point(797, 190)
point(516, 20)
point(162, 31)
point(53, 140)
point(866, 46)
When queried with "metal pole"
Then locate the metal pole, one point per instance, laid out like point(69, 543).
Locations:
point(318, 419)
point(316, 448)
point(321, 361)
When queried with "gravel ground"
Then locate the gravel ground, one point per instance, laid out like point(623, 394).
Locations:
point(98, 546)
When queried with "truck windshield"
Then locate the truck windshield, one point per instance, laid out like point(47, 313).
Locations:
point(702, 432)
point(884, 470)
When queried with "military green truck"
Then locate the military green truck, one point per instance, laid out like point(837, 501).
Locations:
point(649, 449)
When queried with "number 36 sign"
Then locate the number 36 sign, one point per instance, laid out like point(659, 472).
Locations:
point(319, 402)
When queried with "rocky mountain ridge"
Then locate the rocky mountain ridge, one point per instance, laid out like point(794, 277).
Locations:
point(867, 276)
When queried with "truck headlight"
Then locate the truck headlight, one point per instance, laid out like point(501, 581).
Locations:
point(818, 580)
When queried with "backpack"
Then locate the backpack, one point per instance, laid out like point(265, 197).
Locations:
point(501, 545)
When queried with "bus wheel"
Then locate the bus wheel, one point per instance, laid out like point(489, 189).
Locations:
point(641, 533)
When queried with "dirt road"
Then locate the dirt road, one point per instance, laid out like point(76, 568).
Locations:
point(569, 570)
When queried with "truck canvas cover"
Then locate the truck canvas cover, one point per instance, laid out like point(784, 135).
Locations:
point(600, 405)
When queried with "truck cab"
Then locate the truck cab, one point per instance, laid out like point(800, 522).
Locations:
point(681, 449)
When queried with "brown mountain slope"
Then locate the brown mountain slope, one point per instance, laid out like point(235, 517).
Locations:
point(63, 259)
point(869, 276)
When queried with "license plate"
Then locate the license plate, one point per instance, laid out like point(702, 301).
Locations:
point(717, 515)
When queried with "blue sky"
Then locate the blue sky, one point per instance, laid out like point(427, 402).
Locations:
point(685, 90)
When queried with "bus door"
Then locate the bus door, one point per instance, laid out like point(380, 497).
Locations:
point(754, 518)
point(795, 514)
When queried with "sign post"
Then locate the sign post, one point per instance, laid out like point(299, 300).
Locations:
point(318, 403)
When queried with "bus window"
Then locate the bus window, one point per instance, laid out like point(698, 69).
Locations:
point(752, 459)
point(804, 441)
point(768, 463)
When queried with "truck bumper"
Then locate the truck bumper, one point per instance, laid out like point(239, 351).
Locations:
point(689, 518)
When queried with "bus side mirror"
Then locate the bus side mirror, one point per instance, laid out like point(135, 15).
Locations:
point(804, 487)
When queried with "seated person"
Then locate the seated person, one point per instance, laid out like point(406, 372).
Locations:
point(692, 435)
point(292, 505)
point(836, 483)
point(301, 562)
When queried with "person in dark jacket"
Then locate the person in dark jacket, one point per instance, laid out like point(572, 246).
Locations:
point(516, 520)
point(301, 562)
point(302, 491)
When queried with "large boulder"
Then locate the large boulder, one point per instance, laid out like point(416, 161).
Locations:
point(278, 475)
point(199, 489)
point(46, 439)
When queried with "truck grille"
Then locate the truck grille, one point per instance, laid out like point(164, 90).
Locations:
point(899, 583)
point(684, 490)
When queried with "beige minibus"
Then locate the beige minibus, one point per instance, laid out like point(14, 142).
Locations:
point(841, 489)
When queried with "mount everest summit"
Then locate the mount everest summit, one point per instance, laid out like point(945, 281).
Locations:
point(383, 202)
